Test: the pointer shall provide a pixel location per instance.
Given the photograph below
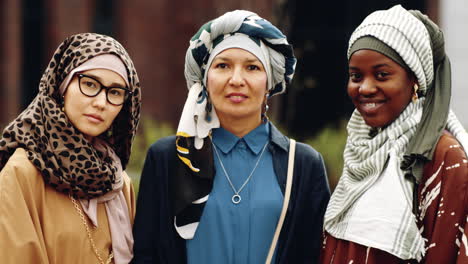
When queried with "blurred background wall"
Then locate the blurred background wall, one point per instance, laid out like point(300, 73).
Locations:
point(454, 22)
point(156, 34)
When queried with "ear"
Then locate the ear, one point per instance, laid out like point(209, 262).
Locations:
point(205, 88)
point(415, 83)
point(414, 78)
point(415, 92)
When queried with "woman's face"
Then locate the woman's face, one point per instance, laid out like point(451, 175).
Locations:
point(92, 115)
point(237, 84)
point(379, 88)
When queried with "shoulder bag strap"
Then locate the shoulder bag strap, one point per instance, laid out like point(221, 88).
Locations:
point(287, 194)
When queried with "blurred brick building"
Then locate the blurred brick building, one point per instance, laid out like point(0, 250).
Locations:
point(155, 33)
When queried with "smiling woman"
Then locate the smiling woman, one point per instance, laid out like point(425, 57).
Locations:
point(402, 196)
point(379, 87)
point(65, 197)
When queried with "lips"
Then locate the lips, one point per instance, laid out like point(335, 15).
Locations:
point(369, 107)
point(236, 97)
point(94, 118)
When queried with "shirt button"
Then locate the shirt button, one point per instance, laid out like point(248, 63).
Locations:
point(241, 144)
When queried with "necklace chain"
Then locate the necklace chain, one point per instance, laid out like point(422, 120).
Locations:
point(236, 198)
point(91, 240)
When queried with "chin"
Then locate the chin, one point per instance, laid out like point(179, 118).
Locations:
point(373, 123)
point(91, 133)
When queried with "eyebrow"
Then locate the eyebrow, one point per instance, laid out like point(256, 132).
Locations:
point(227, 59)
point(373, 67)
point(253, 60)
point(381, 65)
point(114, 85)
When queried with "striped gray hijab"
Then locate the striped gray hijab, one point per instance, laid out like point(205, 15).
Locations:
point(365, 157)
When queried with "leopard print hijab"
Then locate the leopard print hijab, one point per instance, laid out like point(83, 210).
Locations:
point(67, 161)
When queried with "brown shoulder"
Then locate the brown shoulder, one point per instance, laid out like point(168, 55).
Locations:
point(127, 181)
point(449, 149)
point(20, 163)
point(20, 174)
point(448, 152)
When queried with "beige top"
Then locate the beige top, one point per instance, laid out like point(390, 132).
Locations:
point(41, 225)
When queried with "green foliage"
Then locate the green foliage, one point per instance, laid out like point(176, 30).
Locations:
point(149, 131)
point(330, 142)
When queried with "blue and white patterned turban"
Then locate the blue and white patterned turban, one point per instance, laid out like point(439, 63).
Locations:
point(196, 120)
point(192, 182)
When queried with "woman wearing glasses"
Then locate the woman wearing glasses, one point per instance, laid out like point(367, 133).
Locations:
point(64, 195)
point(216, 192)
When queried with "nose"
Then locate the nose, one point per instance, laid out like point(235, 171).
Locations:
point(100, 100)
point(367, 87)
point(237, 77)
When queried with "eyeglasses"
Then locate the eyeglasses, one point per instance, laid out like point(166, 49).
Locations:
point(91, 87)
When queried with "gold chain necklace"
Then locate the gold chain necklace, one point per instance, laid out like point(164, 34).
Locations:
point(91, 240)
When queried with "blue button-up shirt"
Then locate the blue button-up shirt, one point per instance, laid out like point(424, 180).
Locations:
point(239, 233)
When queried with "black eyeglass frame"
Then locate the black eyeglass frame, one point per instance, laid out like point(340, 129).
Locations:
point(128, 93)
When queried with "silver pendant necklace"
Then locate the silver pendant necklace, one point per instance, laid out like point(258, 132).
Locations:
point(236, 198)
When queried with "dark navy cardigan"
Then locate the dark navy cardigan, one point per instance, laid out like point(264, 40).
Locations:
point(156, 240)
